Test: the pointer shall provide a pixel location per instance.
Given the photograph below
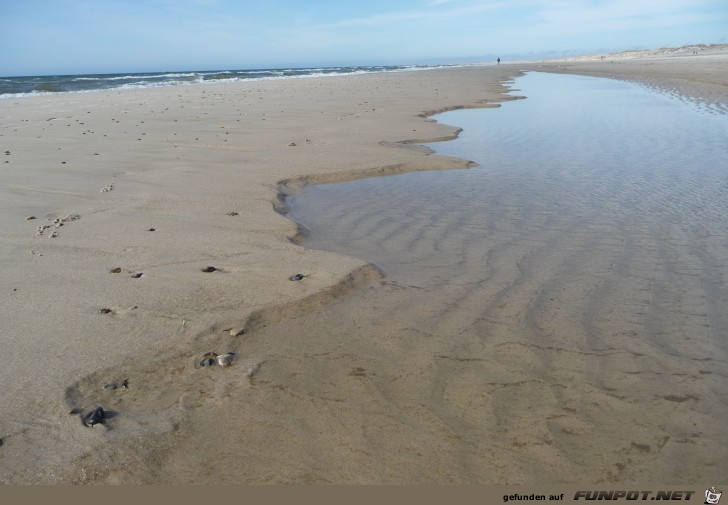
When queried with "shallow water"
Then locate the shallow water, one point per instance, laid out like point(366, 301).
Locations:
point(563, 305)
point(579, 149)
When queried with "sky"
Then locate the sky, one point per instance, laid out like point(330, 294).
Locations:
point(47, 37)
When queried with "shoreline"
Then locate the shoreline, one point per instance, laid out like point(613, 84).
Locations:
point(700, 79)
point(196, 325)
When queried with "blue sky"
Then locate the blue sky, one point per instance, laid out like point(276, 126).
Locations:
point(88, 36)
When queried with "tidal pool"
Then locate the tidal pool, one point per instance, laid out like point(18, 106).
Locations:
point(560, 312)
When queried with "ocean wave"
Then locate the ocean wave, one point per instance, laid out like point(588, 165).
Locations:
point(135, 76)
point(54, 85)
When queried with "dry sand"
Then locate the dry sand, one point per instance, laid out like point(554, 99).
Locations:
point(98, 171)
point(302, 403)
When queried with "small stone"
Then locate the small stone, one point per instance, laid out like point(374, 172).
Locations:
point(29, 218)
point(226, 359)
point(105, 311)
point(116, 270)
point(236, 332)
point(137, 275)
point(209, 269)
point(125, 384)
point(151, 229)
point(292, 144)
point(53, 235)
point(233, 213)
point(94, 417)
point(208, 359)
point(296, 277)
point(110, 386)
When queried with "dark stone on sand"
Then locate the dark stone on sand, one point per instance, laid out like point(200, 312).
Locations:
point(125, 384)
point(152, 229)
point(116, 270)
point(233, 213)
point(296, 277)
point(96, 416)
point(209, 269)
point(137, 275)
point(110, 386)
point(105, 311)
point(208, 359)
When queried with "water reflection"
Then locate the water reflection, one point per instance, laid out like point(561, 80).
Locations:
point(558, 311)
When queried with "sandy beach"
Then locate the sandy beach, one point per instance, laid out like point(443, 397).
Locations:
point(114, 205)
point(201, 166)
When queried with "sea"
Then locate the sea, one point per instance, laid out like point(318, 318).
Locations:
point(16, 87)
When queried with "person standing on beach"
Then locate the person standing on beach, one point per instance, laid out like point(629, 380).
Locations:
point(498, 61)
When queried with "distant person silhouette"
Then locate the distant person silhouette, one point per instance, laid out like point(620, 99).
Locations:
point(498, 61)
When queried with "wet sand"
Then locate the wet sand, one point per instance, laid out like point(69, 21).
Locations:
point(339, 377)
point(699, 78)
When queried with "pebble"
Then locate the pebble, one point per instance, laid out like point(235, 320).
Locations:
point(226, 359)
point(233, 213)
point(208, 359)
point(110, 386)
point(209, 269)
point(94, 417)
point(292, 144)
point(152, 229)
point(137, 275)
point(105, 311)
point(296, 277)
point(236, 332)
point(116, 270)
point(28, 218)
